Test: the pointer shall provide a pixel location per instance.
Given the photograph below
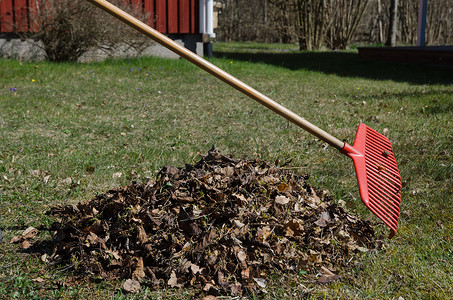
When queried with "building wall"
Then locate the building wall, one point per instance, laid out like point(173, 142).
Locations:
point(166, 16)
point(179, 19)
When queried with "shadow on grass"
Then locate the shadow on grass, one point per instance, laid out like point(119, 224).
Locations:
point(434, 106)
point(347, 64)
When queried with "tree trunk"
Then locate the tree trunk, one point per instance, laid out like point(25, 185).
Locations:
point(379, 8)
point(391, 38)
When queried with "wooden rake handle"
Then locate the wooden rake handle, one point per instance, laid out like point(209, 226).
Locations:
point(217, 72)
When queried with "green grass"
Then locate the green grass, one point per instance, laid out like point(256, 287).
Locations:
point(82, 123)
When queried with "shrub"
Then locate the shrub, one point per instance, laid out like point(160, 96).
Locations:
point(69, 28)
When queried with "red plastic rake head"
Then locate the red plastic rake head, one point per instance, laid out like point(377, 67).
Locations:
point(377, 174)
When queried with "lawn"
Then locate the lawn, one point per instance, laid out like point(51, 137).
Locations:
point(71, 131)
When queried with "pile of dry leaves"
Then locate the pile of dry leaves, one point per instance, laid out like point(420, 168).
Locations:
point(222, 225)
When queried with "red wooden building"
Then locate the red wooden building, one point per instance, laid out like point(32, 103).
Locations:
point(177, 18)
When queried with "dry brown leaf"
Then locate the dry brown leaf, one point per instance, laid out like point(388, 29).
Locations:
point(15, 239)
point(270, 179)
point(282, 200)
point(173, 281)
point(326, 216)
point(139, 272)
point(315, 256)
point(362, 249)
point(321, 222)
point(30, 233)
point(343, 234)
point(327, 271)
point(282, 187)
point(261, 282)
point(240, 198)
point(131, 286)
point(115, 254)
point(207, 287)
point(25, 244)
point(313, 201)
point(142, 236)
point(92, 238)
point(96, 227)
point(245, 274)
point(212, 258)
point(236, 289)
point(238, 224)
point(228, 171)
point(195, 269)
point(242, 257)
point(220, 277)
point(328, 276)
point(262, 234)
point(293, 227)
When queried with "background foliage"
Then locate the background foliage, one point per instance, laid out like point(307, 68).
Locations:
point(315, 24)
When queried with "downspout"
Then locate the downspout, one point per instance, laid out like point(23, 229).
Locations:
point(207, 25)
point(207, 18)
point(210, 19)
point(202, 16)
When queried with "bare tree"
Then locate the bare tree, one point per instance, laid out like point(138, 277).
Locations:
point(311, 23)
point(345, 16)
point(282, 18)
point(439, 23)
point(379, 22)
point(302, 20)
point(316, 23)
point(245, 20)
point(332, 23)
point(392, 30)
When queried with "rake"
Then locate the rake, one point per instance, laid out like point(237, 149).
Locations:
point(374, 161)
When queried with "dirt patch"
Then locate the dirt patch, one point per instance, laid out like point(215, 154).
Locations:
point(222, 225)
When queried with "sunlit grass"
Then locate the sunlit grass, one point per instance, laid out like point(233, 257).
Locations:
point(66, 129)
